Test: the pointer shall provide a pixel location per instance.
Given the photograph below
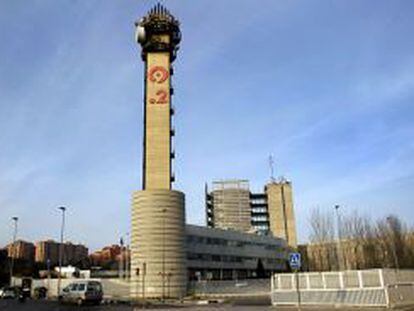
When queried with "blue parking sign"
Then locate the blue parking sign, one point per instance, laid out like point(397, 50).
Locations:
point(294, 261)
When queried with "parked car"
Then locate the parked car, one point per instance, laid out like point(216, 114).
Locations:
point(81, 292)
point(8, 293)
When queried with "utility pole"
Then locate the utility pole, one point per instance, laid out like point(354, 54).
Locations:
point(393, 246)
point(339, 236)
point(127, 263)
point(62, 228)
point(121, 259)
point(13, 249)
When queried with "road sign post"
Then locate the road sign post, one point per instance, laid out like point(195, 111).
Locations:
point(295, 264)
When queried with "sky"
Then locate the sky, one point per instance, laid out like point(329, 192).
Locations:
point(326, 87)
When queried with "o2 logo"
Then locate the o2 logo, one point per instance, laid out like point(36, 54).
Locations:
point(162, 97)
point(158, 75)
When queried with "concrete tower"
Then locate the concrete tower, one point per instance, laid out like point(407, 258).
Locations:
point(280, 209)
point(158, 265)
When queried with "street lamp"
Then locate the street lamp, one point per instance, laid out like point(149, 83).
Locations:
point(339, 246)
point(13, 248)
point(393, 246)
point(63, 209)
point(127, 261)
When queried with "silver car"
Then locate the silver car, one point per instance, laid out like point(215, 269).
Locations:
point(81, 292)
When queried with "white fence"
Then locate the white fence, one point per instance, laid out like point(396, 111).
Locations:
point(381, 287)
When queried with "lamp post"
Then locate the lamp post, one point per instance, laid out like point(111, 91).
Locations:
point(121, 259)
point(127, 263)
point(339, 234)
point(63, 209)
point(393, 246)
point(13, 248)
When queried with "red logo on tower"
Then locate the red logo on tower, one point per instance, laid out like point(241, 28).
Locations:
point(158, 75)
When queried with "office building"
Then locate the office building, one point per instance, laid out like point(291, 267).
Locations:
point(231, 205)
point(218, 254)
point(230, 200)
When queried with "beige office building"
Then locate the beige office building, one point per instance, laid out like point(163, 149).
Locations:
point(280, 209)
point(231, 205)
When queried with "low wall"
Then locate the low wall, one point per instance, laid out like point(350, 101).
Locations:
point(230, 288)
point(379, 287)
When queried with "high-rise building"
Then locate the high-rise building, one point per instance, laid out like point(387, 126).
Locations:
point(231, 202)
point(47, 252)
point(231, 205)
point(158, 215)
point(280, 210)
point(21, 250)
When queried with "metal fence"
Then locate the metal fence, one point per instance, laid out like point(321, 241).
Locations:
point(380, 287)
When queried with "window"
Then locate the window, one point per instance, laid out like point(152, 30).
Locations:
point(81, 287)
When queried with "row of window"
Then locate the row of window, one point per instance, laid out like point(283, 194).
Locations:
point(192, 239)
point(227, 258)
point(260, 218)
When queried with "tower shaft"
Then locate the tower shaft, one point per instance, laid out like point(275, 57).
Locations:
point(157, 139)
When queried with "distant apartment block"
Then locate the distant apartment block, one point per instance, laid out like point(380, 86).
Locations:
point(48, 251)
point(231, 205)
point(105, 256)
point(21, 250)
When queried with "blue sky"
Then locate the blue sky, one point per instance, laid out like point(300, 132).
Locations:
point(327, 87)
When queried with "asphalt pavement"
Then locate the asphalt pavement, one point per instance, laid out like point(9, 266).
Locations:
point(244, 304)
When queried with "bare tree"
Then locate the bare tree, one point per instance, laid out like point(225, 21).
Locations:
point(322, 226)
point(322, 237)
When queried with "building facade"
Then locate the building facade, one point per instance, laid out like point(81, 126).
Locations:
point(230, 201)
point(21, 250)
point(216, 254)
point(47, 252)
point(231, 205)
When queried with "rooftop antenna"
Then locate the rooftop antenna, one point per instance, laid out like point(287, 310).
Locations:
point(271, 167)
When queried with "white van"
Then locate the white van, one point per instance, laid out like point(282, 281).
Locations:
point(81, 292)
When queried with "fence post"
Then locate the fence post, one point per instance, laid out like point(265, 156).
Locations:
point(360, 279)
point(323, 280)
point(341, 280)
point(385, 287)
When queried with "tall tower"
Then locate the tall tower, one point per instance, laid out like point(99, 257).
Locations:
point(280, 209)
point(158, 254)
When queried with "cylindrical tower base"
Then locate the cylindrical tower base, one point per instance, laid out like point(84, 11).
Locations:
point(158, 254)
